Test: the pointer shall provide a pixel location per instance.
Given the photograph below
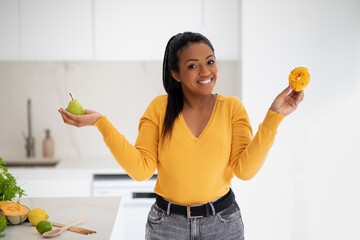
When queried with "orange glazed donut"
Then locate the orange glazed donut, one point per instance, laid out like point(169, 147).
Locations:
point(299, 78)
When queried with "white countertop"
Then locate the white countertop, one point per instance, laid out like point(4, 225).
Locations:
point(81, 166)
point(101, 213)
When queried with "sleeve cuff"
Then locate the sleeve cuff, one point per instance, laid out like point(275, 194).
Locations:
point(272, 120)
point(101, 121)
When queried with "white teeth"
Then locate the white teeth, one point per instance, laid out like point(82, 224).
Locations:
point(205, 81)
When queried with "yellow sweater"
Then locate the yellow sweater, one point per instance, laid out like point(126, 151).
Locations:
point(193, 170)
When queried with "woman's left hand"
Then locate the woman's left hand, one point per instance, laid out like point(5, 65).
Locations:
point(287, 101)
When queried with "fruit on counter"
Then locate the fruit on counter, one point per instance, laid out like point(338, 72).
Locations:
point(36, 215)
point(43, 226)
point(15, 213)
point(3, 202)
point(75, 107)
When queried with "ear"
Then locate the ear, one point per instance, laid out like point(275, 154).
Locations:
point(175, 75)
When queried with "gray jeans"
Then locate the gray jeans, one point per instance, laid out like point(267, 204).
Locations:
point(226, 225)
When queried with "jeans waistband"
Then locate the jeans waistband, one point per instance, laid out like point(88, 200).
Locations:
point(196, 211)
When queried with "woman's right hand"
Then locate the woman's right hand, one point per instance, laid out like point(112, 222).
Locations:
point(88, 119)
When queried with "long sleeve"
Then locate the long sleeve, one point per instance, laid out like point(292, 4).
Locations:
point(139, 161)
point(193, 170)
point(248, 152)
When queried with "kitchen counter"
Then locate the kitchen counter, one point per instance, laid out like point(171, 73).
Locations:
point(81, 165)
point(71, 177)
point(101, 213)
point(91, 177)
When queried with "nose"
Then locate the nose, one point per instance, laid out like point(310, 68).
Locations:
point(204, 70)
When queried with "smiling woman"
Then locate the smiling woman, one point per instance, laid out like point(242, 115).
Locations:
point(198, 78)
point(190, 74)
point(197, 141)
point(196, 72)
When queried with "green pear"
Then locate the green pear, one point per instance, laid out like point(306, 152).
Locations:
point(75, 107)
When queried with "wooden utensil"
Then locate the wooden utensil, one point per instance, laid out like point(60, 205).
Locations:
point(58, 231)
point(74, 229)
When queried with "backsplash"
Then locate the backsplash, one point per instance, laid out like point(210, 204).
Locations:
point(120, 90)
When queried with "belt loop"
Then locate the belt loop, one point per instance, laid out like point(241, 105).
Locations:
point(212, 207)
point(168, 208)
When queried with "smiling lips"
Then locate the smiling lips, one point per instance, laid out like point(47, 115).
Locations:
point(206, 81)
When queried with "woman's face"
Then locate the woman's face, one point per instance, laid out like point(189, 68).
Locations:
point(197, 70)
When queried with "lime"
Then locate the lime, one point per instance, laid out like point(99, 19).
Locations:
point(43, 226)
point(36, 215)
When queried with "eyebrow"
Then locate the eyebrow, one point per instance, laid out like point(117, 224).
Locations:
point(191, 59)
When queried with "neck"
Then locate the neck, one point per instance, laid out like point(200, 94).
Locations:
point(198, 102)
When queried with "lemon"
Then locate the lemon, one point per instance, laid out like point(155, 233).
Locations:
point(36, 215)
point(43, 226)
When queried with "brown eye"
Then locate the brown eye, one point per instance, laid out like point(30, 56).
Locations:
point(211, 62)
point(191, 66)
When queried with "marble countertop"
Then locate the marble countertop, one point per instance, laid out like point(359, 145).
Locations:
point(102, 214)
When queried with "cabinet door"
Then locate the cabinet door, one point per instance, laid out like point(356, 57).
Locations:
point(221, 26)
point(56, 187)
point(9, 30)
point(56, 29)
point(138, 29)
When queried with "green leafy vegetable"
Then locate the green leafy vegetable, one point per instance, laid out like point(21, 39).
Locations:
point(3, 225)
point(8, 186)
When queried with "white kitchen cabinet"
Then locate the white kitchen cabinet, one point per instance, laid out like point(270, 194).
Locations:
point(48, 184)
point(138, 29)
point(56, 29)
point(112, 29)
point(221, 26)
point(71, 187)
point(9, 30)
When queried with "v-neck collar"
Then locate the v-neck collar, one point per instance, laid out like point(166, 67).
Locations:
point(187, 129)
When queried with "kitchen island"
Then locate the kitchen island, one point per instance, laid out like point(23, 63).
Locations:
point(92, 176)
point(102, 216)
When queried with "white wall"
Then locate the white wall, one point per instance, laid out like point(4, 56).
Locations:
point(309, 185)
point(358, 49)
point(120, 90)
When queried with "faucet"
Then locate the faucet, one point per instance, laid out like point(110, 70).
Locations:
point(30, 141)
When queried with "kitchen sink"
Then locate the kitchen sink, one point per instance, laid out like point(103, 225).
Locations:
point(30, 162)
